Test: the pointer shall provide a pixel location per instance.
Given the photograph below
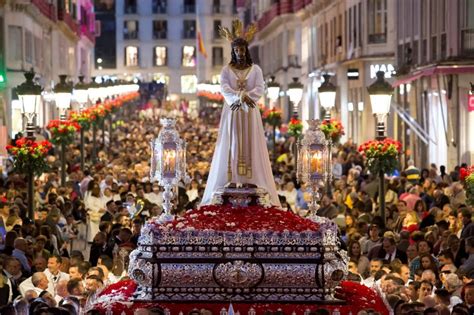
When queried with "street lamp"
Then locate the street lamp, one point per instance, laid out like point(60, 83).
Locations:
point(62, 95)
point(295, 92)
point(29, 94)
point(273, 91)
point(327, 96)
point(380, 97)
point(93, 95)
point(81, 95)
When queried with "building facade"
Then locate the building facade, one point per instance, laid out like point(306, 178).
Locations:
point(158, 40)
point(435, 60)
point(50, 37)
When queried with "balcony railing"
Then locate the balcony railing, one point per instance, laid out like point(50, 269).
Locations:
point(218, 9)
point(47, 9)
point(380, 38)
point(68, 20)
point(159, 35)
point(188, 9)
point(156, 9)
point(130, 9)
point(188, 34)
point(467, 41)
point(130, 35)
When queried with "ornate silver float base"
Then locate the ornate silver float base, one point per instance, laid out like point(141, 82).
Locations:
point(241, 196)
point(212, 266)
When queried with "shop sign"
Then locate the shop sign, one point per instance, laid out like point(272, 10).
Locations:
point(470, 103)
point(387, 68)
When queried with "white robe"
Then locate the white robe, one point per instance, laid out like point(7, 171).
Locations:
point(262, 175)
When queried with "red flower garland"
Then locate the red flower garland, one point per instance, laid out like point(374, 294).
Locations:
point(253, 218)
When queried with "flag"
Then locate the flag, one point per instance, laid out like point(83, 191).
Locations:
point(201, 47)
point(200, 40)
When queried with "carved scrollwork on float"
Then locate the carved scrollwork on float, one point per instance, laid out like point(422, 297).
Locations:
point(238, 274)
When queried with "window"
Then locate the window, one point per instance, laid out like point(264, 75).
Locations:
point(217, 25)
point(130, 29)
point(15, 44)
point(377, 15)
point(159, 6)
point(131, 56)
point(217, 8)
point(188, 83)
point(467, 27)
point(189, 56)
point(189, 6)
point(160, 29)
point(29, 47)
point(217, 56)
point(160, 54)
point(130, 7)
point(189, 29)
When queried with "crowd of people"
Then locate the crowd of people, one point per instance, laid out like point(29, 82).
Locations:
point(420, 258)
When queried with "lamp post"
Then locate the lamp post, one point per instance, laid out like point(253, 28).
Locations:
point(313, 161)
point(93, 95)
point(62, 95)
point(81, 96)
point(295, 93)
point(327, 97)
point(380, 97)
point(168, 163)
point(29, 94)
point(273, 92)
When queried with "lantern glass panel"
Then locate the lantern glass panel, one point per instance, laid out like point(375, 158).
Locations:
point(273, 92)
point(380, 103)
point(169, 160)
point(63, 100)
point(81, 96)
point(328, 99)
point(29, 102)
point(316, 158)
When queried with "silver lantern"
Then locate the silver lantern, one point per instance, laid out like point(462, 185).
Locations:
point(313, 163)
point(168, 163)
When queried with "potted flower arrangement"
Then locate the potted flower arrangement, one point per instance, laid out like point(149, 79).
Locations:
point(272, 117)
point(97, 114)
point(82, 118)
point(28, 155)
point(381, 155)
point(467, 177)
point(62, 131)
point(332, 129)
point(295, 127)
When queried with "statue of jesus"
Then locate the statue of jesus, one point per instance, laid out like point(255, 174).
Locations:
point(241, 155)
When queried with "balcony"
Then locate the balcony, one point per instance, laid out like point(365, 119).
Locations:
point(68, 20)
point(130, 35)
point(160, 34)
point(84, 30)
point(188, 34)
point(187, 9)
point(47, 9)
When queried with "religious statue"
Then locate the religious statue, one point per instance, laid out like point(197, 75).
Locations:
point(241, 155)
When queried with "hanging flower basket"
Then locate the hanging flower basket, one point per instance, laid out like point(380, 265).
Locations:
point(295, 127)
point(62, 131)
point(82, 118)
point(467, 177)
point(333, 130)
point(381, 155)
point(97, 114)
point(29, 156)
point(272, 117)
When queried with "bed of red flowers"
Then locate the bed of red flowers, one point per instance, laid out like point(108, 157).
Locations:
point(117, 299)
point(252, 218)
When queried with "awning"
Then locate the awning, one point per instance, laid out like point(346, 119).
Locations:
point(433, 70)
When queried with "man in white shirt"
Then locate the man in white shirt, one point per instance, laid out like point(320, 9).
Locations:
point(53, 272)
point(37, 282)
point(156, 196)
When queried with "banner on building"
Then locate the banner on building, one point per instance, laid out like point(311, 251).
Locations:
point(470, 103)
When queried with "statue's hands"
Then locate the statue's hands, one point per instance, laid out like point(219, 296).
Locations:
point(247, 100)
point(235, 106)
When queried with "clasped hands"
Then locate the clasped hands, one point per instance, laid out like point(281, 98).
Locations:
point(244, 99)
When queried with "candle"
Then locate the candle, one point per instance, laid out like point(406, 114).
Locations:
point(316, 162)
point(169, 162)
